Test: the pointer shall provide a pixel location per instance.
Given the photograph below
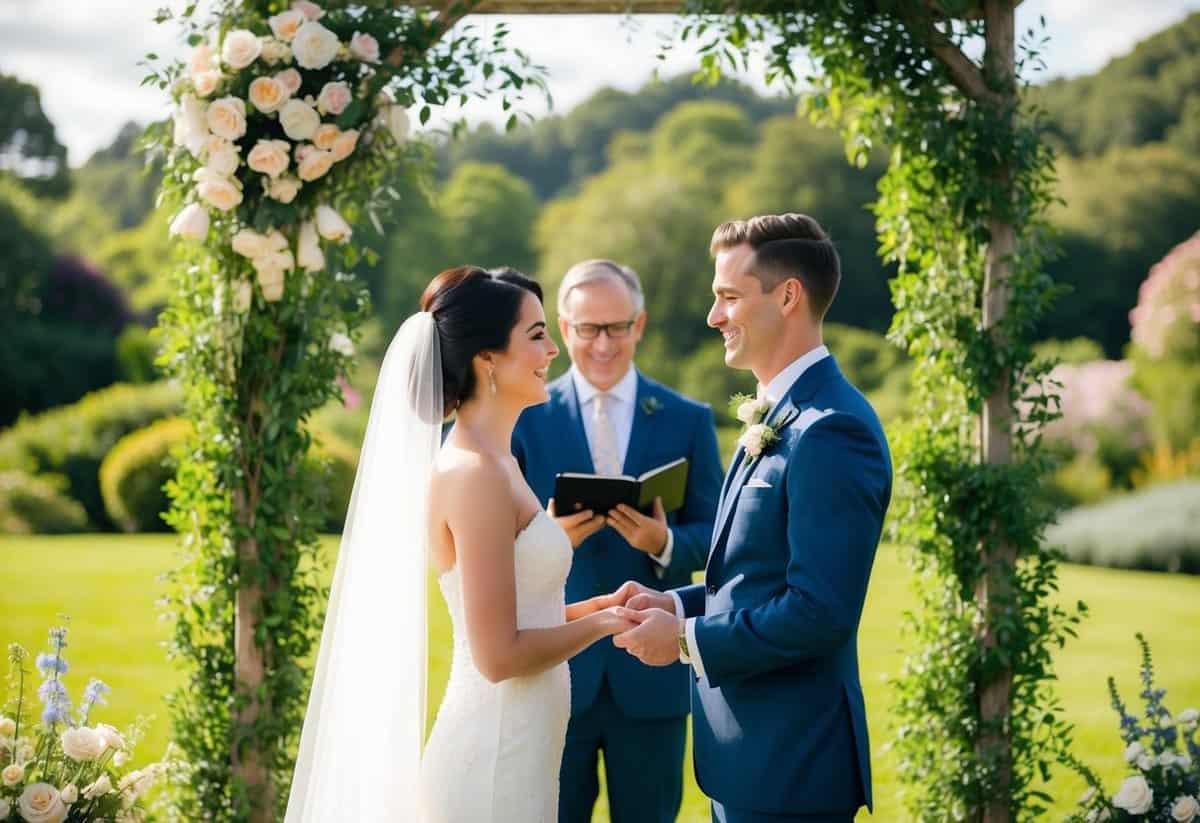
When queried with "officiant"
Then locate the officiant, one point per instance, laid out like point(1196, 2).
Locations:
point(605, 417)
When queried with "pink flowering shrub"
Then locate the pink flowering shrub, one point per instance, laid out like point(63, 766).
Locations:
point(1097, 400)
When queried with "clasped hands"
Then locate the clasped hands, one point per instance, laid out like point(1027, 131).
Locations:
point(653, 633)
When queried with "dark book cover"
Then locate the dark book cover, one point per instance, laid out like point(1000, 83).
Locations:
point(575, 492)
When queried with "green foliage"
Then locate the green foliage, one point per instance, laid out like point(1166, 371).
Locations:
point(875, 365)
point(136, 469)
point(1156, 529)
point(336, 461)
point(72, 440)
point(488, 216)
point(35, 504)
point(135, 352)
point(1075, 351)
point(29, 147)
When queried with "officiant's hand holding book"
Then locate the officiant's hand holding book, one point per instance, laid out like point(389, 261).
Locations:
point(576, 492)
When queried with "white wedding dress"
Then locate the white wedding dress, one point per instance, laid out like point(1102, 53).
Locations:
point(495, 750)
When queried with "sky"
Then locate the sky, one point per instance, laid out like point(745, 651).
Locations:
point(83, 54)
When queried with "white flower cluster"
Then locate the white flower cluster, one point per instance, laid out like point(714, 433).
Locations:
point(212, 130)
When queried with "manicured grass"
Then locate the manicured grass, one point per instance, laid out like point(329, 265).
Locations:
point(108, 585)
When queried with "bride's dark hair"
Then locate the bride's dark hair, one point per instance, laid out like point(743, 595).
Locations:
point(475, 311)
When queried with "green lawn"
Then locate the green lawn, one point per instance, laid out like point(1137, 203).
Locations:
point(108, 585)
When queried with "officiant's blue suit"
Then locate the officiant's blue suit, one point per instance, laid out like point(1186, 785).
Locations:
point(779, 724)
point(651, 704)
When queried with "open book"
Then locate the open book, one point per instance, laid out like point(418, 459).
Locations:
point(575, 492)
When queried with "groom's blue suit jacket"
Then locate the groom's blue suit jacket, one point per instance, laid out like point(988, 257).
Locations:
point(549, 439)
point(778, 719)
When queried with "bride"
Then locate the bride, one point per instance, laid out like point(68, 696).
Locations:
point(479, 348)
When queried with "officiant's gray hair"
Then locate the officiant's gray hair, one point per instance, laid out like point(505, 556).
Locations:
point(589, 271)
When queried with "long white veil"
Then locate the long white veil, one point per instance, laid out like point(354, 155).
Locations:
point(360, 748)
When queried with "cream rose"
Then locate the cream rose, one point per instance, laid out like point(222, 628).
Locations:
point(314, 165)
point(344, 145)
point(1135, 795)
point(8, 727)
point(290, 80)
point(364, 47)
point(191, 223)
point(274, 51)
point(1185, 809)
point(206, 82)
point(271, 270)
point(299, 120)
point(203, 59)
point(226, 117)
point(12, 774)
point(341, 344)
point(310, 10)
point(191, 124)
point(334, 98)
point(250, 243)
point(120, 759)
point(219, 192)
point(308, 248)
point(41, 803)
point(102, 786)
point(285, 24)
point(112, 738)
point(324, 136)
point(331, 226)
point(268, 94)
point(240, 49)
point(269, 157)
point(395, 117)
point(69, 794)
point(222, 157)
point(243, 295)
point(284, 189)
point(1189, 716)
point(82, 744)
point(314, 46)
point(1132, 751)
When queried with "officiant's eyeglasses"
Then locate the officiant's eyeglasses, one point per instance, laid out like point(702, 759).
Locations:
point(615, 331)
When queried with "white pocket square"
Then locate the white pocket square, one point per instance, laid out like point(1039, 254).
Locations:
point(755, 483)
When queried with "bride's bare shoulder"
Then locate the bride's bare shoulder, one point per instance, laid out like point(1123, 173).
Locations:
point(465, 476)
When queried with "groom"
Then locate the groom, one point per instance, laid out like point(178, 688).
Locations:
point(778, 716)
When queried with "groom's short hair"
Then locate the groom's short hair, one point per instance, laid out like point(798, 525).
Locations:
point(786, 246)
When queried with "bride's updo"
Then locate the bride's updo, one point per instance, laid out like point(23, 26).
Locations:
point(475, 311)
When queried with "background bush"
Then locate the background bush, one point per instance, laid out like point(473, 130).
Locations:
point(134, 471)
point(36, 505)
point(1156, 529)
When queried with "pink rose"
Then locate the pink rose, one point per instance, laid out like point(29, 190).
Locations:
point(364, 47)
point(334, 98)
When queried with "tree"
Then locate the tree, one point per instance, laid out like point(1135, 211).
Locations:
point(488, 214)
point(29, 148)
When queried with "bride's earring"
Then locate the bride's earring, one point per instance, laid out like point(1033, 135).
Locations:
point(492, 378)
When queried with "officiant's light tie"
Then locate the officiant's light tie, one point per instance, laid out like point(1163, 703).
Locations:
point(604, 437)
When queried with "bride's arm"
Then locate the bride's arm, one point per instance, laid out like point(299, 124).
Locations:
point(482, 521)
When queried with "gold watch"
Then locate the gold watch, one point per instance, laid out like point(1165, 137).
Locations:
point(683, 644)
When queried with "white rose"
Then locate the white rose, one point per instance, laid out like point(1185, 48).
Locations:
point(1134, 796)
point(240, 49)
point(314, 164)
point(222, 157)
point(299, 120)
point(344, 145)
point(69, 794)
point(219, 192)
point(191, 223)
point(41, 803)
point(1166, 759)
point(341, 344)
point(1145, 762)
point(1132, 751)
point(1188, 716)
point(227, 117)
point(267, 94)
point(5, 808)
point(271, 270)
point(250, 243)
point(137, 783)
point(308, 248)
point(331, 226)
point(284, 189)
point(334, 98)
point(291, 79)
point(747, 411)
point(274, 51)
point(82, 744)
point(285, 24)
point(120, 759)
point(102, 786)
point(191, 124)
point(754, 439)
point(1185, 809)
point(310, 10)
point(243, 295)
point(8, 727)
point(205, 82)
point(112, 738)
point(396, 119)
point(13, 774)
point(364, 47)
point(314, 46)
point(203, 59)
point(324, 136)
point(269, 157)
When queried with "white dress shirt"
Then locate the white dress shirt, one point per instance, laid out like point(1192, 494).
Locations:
point(776, 390)
point(622, 406)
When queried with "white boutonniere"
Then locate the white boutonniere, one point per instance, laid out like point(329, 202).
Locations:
point(757, 436)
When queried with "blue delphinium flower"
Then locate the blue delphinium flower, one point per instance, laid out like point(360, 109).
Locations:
point(48, 663)
point(93, 694)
